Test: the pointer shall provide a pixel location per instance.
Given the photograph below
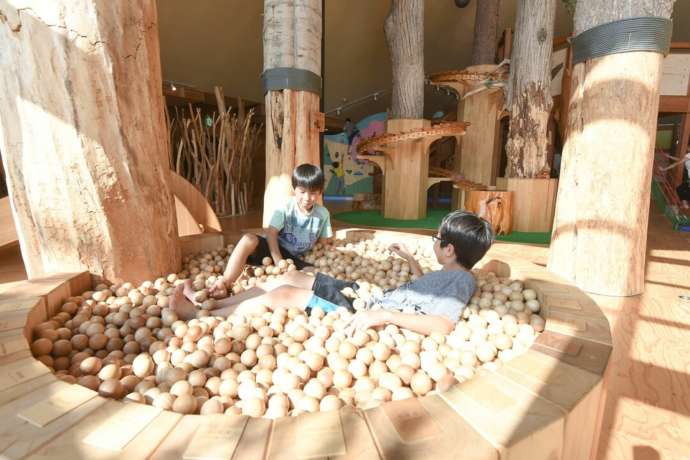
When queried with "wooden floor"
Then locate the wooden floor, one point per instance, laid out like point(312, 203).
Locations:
point(647, 409)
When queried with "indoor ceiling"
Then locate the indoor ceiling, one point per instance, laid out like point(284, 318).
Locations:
point(219, 42)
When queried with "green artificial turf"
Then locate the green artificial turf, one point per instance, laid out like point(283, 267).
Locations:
point(431, 222)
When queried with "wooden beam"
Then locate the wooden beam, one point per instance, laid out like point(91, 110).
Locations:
point(674, 104)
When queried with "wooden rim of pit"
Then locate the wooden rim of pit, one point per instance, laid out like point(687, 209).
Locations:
point(541, 404)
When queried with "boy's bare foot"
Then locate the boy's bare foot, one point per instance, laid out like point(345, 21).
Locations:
point(189, 291)
point(182, 306)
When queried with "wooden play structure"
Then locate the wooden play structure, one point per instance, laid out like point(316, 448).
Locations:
point(481, 91)
point(405, 163)
point(539, 405)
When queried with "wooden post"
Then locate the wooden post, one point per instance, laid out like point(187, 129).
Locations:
point(600, 230)
point(83, 136)
point(406, 172)
point(404, 28)
point(529, 96)
point(292, 39)
point(485, 30)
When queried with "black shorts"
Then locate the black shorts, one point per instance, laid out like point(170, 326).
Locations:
point(262, 250)
point(328, 288)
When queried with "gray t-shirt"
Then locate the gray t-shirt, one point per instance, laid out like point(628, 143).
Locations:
point(443, 292)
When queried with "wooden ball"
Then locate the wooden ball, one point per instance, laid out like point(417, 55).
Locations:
point(62, 347)
point(90, 366)
point(110, 371)
point(357, 368)
point(89, 381)
point(185, 404)
point(330, 402)
point(212, 406)
point(308, 404)
point(342, 379)
point(111, 388)
point(421, 384)
point(164, 401)
point(390, 381)
point(254, 407)
point(381, 351)
point(315, 389)
point(325, 376)
point(41, 347)
point(347, 350)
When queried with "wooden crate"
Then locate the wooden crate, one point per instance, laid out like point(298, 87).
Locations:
point(534, 202)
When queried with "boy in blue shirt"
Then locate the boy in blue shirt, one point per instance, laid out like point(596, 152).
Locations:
point(293, 230)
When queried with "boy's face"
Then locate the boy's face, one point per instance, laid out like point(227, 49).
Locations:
point(444, 253)
point(306, 198)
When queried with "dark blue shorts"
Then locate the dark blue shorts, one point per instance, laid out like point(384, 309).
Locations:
point(328, 295)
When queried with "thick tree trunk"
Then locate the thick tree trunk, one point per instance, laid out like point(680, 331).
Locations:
point(404, 28)
point(529, 98)
point(600, 230)
point(485, 32)
point(292, 38)
point(83, 136)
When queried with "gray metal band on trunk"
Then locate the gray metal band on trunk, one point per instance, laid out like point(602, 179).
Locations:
point(624, 36)
point(290, 78)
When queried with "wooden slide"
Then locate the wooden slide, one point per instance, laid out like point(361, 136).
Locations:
point(194, 214)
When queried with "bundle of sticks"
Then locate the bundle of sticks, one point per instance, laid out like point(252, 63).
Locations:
point(215, 152)
point(661, 176)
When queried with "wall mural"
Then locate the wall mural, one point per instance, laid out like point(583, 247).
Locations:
point(345, 173)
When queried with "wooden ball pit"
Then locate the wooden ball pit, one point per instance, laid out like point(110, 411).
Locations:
point(542, 404)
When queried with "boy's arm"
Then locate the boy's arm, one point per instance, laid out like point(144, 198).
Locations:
point(326, 233)
point(423, 324)
point(402, 251)
point(272, 240)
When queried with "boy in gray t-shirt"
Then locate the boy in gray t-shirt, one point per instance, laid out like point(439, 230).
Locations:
point(433, 302)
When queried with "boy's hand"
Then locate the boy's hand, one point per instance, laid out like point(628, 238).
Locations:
point(364, 320)
point(218, 290)
point(400, 249)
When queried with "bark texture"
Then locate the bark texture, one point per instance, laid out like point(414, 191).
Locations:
point(83, 137)
point(529, 96)
point(404, 28)
point(485, 32)
point(292, 38)
point(600, 229)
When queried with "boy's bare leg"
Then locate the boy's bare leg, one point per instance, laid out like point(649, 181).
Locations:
point(245, 302)
point(285, 296)
point(238, 257)
point(182, 300)
point(294, 278)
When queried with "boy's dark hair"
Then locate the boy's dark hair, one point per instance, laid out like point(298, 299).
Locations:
point(470, 235)
point(308, 176)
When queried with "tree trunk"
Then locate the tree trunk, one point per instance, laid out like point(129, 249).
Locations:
point(600, 230)
point(84, 141)
point(529, 96)
point(485, 32)
point(404, 28)
point(292, 39)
